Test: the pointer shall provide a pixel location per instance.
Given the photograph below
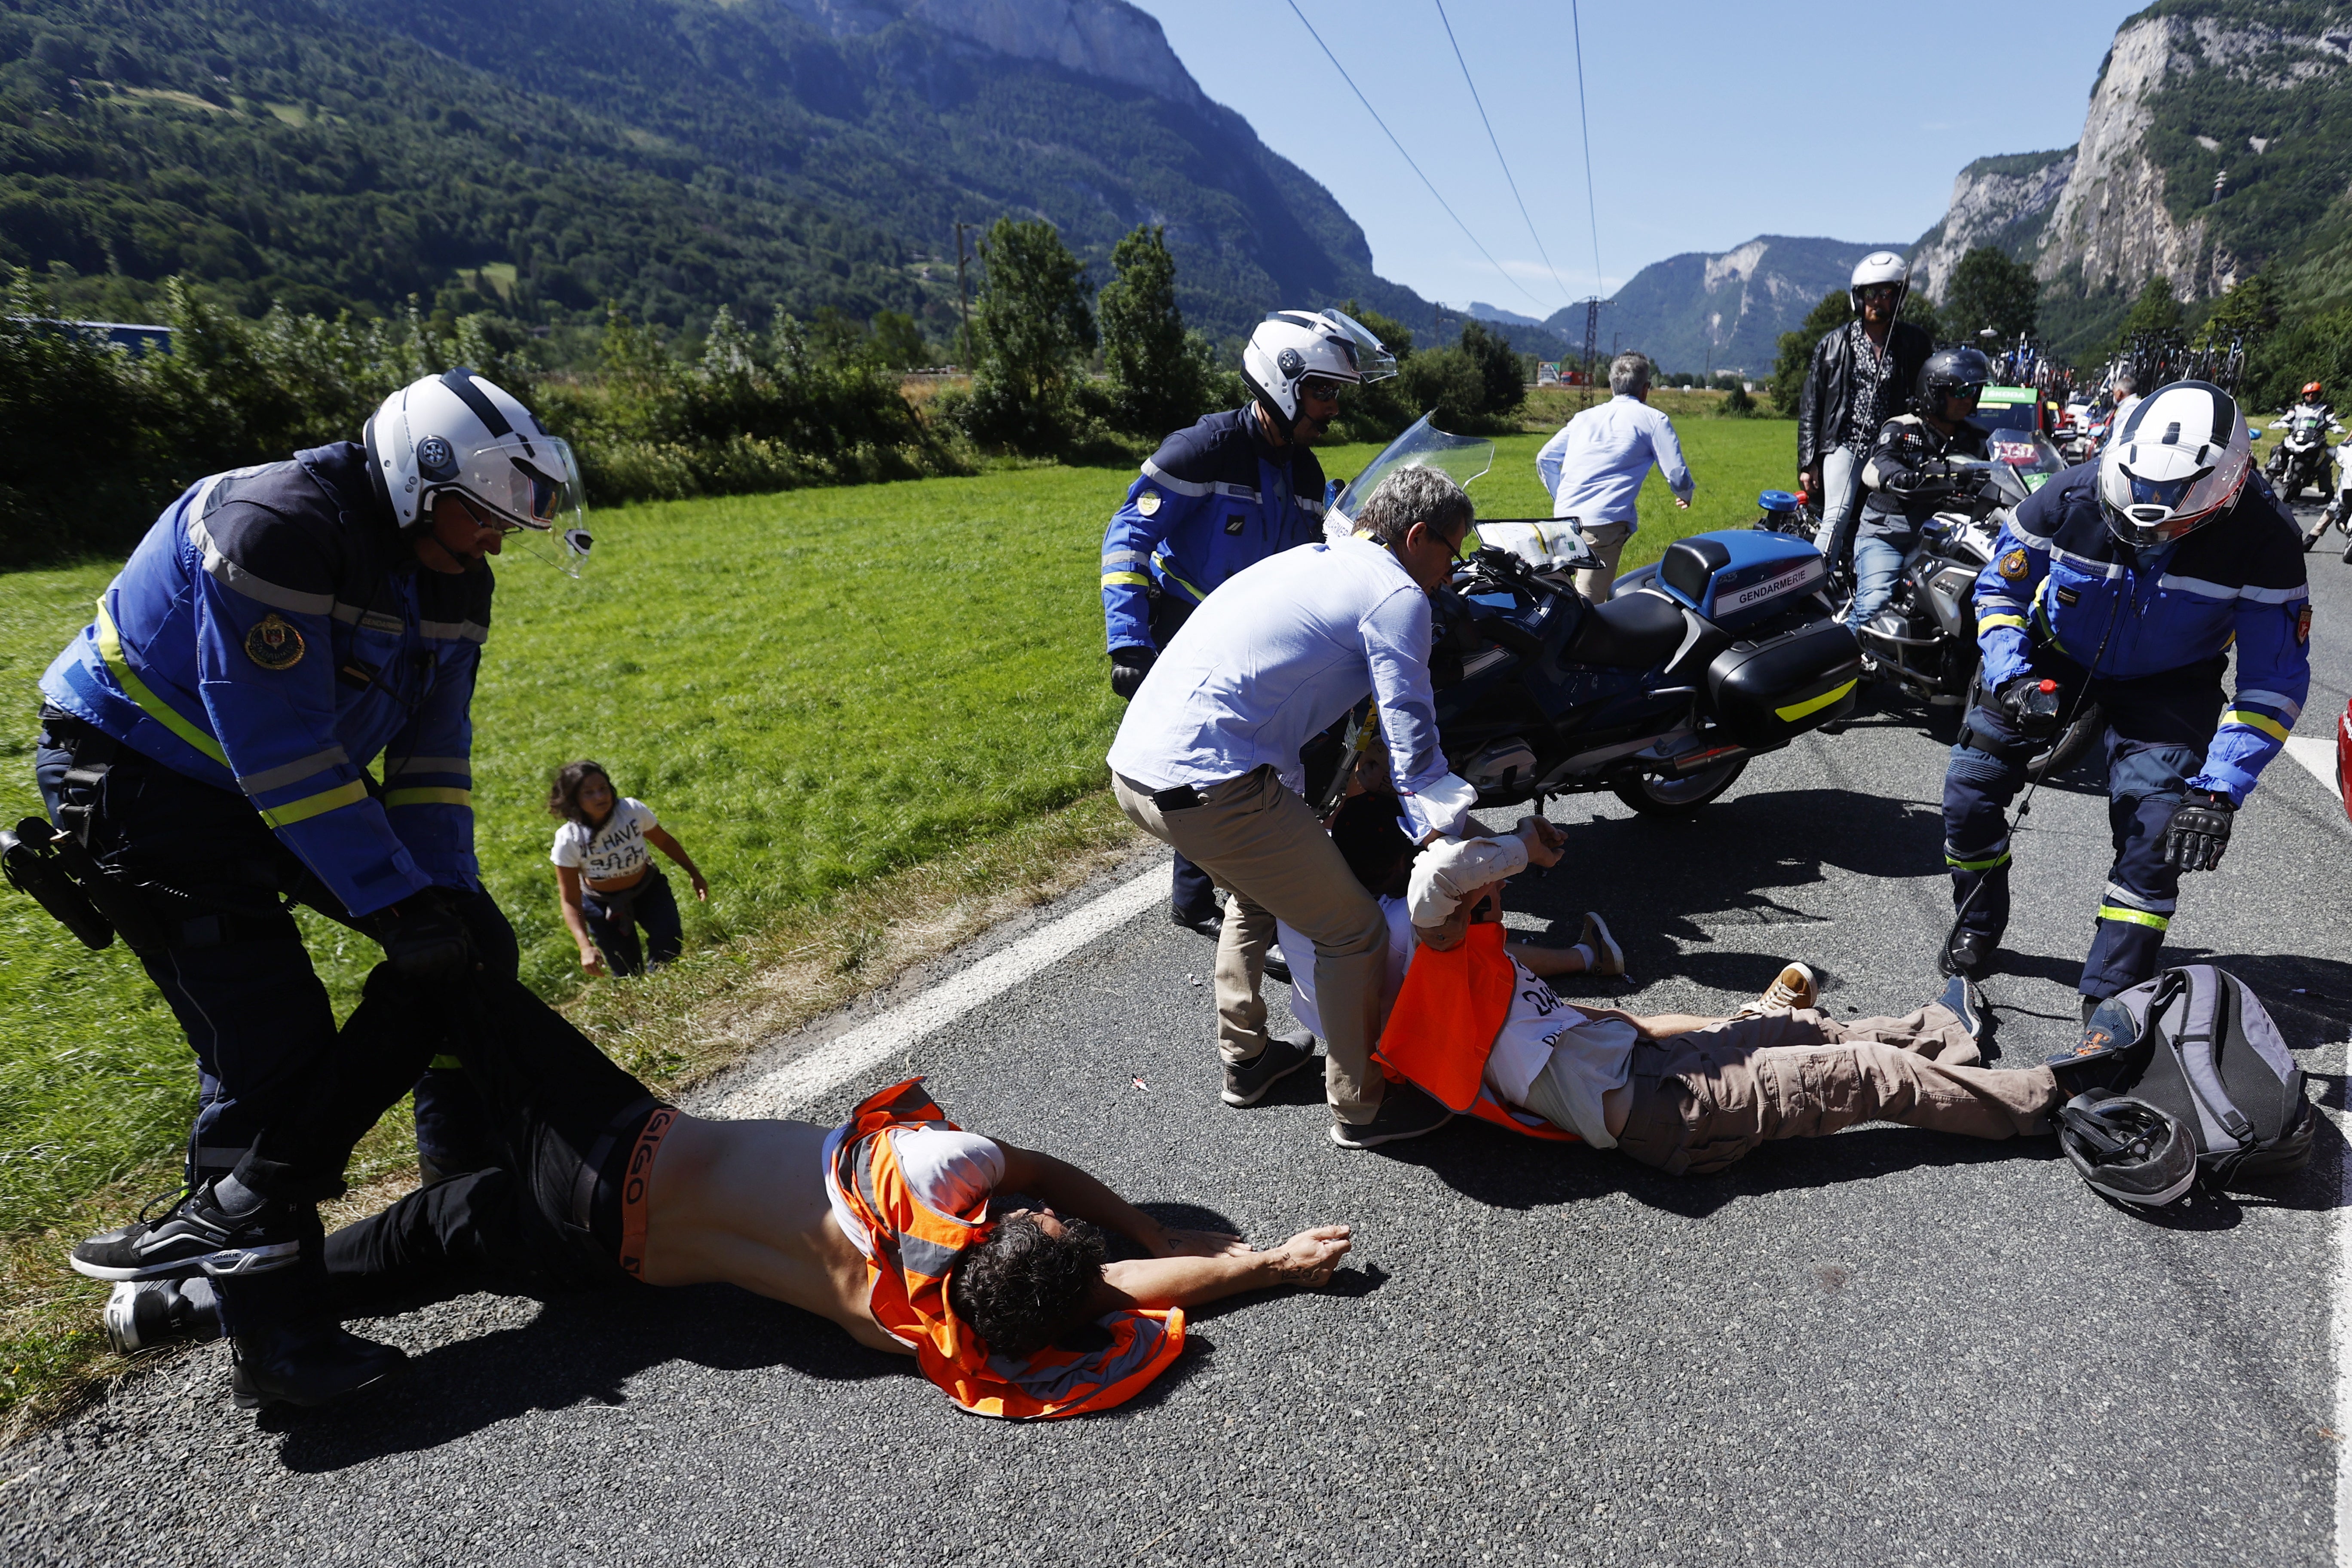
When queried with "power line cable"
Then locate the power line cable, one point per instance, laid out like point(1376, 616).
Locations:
point(1498, 146)
point(1584, 125)
point(1407, 156)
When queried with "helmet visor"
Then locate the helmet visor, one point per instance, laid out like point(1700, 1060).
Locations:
point(2165, 493)
point(532, 485)
point(1373, 361)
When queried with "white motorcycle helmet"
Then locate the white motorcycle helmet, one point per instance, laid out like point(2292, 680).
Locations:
point(2177, 463)
point(1291, 347)
point(458, 432)
point(1878, 267)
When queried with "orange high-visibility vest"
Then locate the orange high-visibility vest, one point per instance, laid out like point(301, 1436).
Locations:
point(1443, 1027)
point(914, 1251)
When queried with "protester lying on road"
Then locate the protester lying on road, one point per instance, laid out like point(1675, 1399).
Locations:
point(604, 842)
point(897, 1224)
point(1479, 1032)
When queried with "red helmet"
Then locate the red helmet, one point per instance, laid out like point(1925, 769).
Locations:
point(2312, 391)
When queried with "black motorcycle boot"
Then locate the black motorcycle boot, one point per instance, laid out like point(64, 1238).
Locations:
point(144, 1314)
point(1968, 952)
point(307, 1365)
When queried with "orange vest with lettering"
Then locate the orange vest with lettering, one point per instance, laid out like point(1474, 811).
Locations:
point(1443, 1027)
point(914, 1251)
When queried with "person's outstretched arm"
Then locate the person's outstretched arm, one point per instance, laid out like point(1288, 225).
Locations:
point(661, 840)
point(575, 919)
point(1306, 1260)
point(1073, 1194)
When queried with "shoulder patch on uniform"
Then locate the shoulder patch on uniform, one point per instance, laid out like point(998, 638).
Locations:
point(2013, 564)
point(1147, 502)
point(274, 644)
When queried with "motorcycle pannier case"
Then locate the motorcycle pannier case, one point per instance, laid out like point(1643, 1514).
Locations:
point(1741, 579)
point(1771, 688)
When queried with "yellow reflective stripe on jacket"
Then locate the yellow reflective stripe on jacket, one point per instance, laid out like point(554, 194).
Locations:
point(1957, 865)
point(2136, 917)
point(1126, 579)
point(110, 648)
point(318, 805)
point(429, 794)
point(1198, 593)
point(2253, 721)
point(1987, 622)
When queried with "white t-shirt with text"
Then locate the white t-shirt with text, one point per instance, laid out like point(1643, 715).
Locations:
point(615, 850)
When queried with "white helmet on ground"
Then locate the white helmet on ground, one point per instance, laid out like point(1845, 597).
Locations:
point(1878, 267)
point(1291, 347)
point(458, 432)
point(2178, 462)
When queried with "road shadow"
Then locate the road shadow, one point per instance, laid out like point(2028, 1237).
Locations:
point(579, 1349)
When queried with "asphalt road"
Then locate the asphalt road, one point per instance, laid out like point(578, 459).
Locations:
point(1884, 1347)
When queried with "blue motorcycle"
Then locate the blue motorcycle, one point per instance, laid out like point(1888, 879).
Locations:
point(1726, 648)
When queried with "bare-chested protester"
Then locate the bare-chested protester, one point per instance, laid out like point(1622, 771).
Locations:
point(985, 1261)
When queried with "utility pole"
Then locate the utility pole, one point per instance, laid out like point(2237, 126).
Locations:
point(1591, 339)
point(963, 294)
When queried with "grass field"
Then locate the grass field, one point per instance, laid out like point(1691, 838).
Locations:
point(816, 691)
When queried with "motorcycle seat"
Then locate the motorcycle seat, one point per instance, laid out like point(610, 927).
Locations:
point(1633, 632)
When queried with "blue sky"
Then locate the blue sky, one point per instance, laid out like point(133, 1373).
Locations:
point(1712, 121)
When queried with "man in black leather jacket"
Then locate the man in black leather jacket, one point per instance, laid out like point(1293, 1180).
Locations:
point(1853, 389)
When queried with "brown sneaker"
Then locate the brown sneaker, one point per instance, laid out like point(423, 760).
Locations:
point(1608, 958)
point(1795, 990)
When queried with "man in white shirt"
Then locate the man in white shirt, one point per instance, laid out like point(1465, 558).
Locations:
point(1595, 466)
point(1207, 761)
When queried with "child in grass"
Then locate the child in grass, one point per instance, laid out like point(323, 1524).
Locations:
point(602, 844)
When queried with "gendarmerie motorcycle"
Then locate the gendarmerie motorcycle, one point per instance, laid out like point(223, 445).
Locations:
point(1727, 650)
point(2301, 457)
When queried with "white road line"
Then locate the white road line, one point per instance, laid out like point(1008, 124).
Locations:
point(845, 1056)
point(2343, 1326)
point(2316, 754)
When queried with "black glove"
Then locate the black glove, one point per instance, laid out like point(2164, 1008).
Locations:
point(2199, 832)
point(425, 942)
point(2032, 705)
point(1128, 666)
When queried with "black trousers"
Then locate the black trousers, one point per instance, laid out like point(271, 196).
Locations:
point(549, 1213)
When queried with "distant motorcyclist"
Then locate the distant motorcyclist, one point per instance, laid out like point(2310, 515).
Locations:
point(2132, 575)
point(1225, 494)
point(1911, 472)
point(2301, 457)
point(1859, 378)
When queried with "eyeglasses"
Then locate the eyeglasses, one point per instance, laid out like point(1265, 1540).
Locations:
point(1878, 291)
point(1319, 389)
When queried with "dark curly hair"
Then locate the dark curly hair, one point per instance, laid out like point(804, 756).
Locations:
point(563, 799)
point(1021, 1288)
point(1375, 847)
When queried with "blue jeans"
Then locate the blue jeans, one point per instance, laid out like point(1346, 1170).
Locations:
point(613, 920)
point(1877, 563)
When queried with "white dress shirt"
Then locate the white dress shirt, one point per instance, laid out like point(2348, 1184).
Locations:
point(1595, 466)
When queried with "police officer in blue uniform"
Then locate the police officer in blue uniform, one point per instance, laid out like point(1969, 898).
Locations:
point(1223, 496)
point(206, 742)
point(2132, 576)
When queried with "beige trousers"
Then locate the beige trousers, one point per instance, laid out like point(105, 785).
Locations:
point(1608, 542)
point(1705, 1099)
point(1263, 844)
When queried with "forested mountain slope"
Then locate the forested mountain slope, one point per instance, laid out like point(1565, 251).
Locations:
point(668, 156)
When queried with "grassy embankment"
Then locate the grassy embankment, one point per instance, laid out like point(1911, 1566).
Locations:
point(874, 715)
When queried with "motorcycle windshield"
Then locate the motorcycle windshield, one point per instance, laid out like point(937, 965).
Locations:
point(1461, 459)
point(2031, 456)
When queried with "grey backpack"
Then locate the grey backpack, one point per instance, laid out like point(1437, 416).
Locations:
point(2196, 1043)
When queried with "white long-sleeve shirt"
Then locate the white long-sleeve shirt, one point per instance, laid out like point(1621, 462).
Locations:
point(1595, 466)
point(1277, 653)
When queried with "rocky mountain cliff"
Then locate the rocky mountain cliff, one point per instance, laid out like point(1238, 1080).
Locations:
point(2218, 142)
point(1727, 309)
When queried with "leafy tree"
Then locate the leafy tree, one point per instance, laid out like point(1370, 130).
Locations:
point(898, 342)
point(1736, 403)
point(1032, 333)
point(1446, 383)
point(1503, 388)
point(1990, 288)
point(1157, 382)
point(2250, 310)
point(1384, 409)
point(2156, 312)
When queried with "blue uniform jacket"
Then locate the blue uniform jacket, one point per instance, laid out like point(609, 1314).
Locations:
point(273, 634)
point(2058, 576)
point(1213, 500)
